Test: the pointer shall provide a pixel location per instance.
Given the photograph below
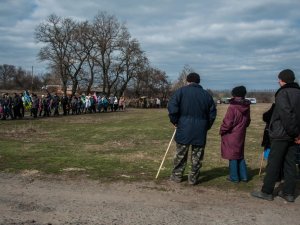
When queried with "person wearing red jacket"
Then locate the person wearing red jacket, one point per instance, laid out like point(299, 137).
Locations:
point(233, 134)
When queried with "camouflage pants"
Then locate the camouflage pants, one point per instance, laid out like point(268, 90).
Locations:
point(180, 162)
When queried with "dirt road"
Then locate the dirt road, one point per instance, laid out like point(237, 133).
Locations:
point(30, 199)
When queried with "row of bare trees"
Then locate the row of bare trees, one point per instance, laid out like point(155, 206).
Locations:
point(15, 78)
point(98, 53)
point(151, 83)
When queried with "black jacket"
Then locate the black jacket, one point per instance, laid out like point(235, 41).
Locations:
point(267, 118)
point(285, 120)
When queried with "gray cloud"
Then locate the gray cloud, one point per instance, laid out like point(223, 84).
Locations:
point(227, 42)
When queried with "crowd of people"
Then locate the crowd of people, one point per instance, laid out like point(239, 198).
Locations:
point(14, 107)
point(146, 102)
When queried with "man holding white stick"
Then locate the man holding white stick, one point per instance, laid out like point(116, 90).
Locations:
point(193, 112)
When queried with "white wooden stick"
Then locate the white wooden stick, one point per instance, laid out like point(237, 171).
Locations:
point(165, 154)
point(261, 163)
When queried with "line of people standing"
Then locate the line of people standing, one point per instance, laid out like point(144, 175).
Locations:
point(14, 107)
point(11, 106)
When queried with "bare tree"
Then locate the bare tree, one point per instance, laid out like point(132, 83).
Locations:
point(17, 78)
point(56, 34)
point(6, 75)
point(50, 78)
point(82, 53)
point(80, 48)
point(91, 67)
point(133, 62)
point(25, 80)
point(181, 81)
point(152, 82)
point(108, 33)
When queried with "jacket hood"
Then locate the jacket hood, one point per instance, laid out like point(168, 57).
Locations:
point(241, 104)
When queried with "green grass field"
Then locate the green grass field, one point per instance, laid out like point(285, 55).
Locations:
point(117, 146)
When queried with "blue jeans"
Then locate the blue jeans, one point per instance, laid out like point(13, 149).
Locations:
point(238, 170)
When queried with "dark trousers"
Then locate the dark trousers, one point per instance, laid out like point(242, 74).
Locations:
point(17, 113)
point(34, 112)
point(64, 106)
point(56, 113)
point(282, 154)
point(22, 110)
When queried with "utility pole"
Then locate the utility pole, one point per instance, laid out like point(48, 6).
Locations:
point(31, 78)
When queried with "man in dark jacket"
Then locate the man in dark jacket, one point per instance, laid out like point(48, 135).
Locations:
point(284, 132)
point(17, 101)
point(192, 111)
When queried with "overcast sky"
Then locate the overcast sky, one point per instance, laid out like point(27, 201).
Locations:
point(229, 43)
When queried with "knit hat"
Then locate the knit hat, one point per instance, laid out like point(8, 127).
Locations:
point(239, 91)
point(193, 78)
point(287, 76)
